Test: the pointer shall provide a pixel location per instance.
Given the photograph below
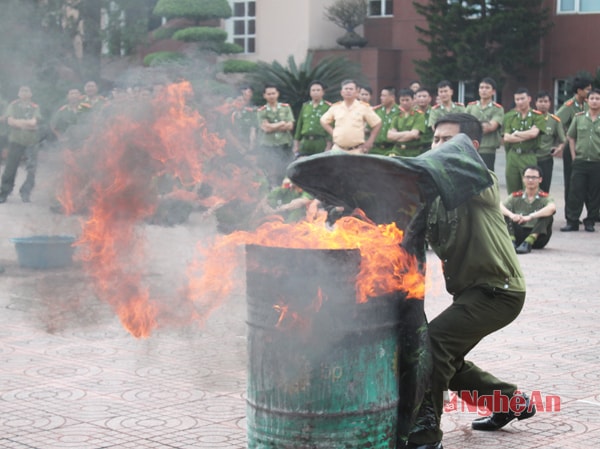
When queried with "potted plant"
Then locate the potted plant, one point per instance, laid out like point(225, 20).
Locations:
point(348, 14)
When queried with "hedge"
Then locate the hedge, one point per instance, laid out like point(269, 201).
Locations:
point(201, 34)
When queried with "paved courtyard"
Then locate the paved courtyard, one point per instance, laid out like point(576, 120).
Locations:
point(72, 377)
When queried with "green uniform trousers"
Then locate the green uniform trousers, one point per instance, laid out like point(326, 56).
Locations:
point(312, 145)
point(543, 229)
point(584, 189)
point(16, 153)
point(515, 164)
point(473, 314)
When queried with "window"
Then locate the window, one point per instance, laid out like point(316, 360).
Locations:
point(468, 91)
point(476, 8)
point(578, 6)
point(380, 8)
point(561, 93)
point(241, 27)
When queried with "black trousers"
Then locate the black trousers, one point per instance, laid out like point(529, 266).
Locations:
point(584, 190)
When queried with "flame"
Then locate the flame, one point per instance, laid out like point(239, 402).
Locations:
point(297, 319)
point(112, 179)
point(385, 266)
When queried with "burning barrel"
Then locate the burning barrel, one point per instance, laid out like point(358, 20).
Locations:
point(322, 368)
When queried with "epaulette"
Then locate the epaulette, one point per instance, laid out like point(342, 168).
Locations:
point(535, 111)
point(15, 101)
point(460, 104)
point(379, 106)
point(262, 108)
point(471, 102)
point(35, 105)
point(580, 113)
point(328, 103)
point(364, 103)
point(517, 194)
point(569, 102)
point(555, 117)
point(63, 107)
point(285, 104)
point(435, 106)
point(498, 105)
point(248, 108)
point(542, 193)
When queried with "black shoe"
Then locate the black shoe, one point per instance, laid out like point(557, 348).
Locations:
point(498, 420)
point(524, 248)
point(569, 228)
point(589, 227)
point(437, 445)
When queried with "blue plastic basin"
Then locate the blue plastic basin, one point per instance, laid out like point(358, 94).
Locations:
point(44, 251)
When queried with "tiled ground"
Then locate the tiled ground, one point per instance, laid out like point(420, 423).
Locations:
point(71, 377)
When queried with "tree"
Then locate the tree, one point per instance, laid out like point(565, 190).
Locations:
point(470, 39)
point(348, 14)
point(293, 81)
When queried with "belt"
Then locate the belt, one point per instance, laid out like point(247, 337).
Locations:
point(313, 137)
point(385, 144)
point(522, 151)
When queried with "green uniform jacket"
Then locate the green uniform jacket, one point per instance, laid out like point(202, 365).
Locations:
point(426, 138)
point(491, 112)
point(3, 125)
point(474, 245)
point(65, 117)
point(587, 137)
point(514, 122)
point(387, 119)
point(19, 110)
point(553, 136)
point(407, 121)
point(517, 203)
point(243, 120)
point(438, 111)
point(282, 113)
point(568, 110)
point(309, 120)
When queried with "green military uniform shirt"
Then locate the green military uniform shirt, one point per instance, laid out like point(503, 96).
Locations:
point(513, 121)
point(243, 120)
point(382, 145)
point(407, 121)
point(309, 132)
point(426, 138)
point(473, 243)
point(492, 112)
point(518, 203)
point(20, 110)
point(568, 110)
point(281, 113)
point(65, 117)
point(553, 135)
point(587, 135)
point(439, 111)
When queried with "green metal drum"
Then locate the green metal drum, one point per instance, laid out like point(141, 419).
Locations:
point(322, 369)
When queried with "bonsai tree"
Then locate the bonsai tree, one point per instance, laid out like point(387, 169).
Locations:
point(348, 14)
point(208, 37)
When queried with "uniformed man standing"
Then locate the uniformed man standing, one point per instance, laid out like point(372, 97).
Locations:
point(3, 127)
point(407, 128)
point(310, 137)
point(423, 104)
point(23, 119)
point(387, 111)
point(345, 121)
point(445, 104)
point(581, 89)
point(275, 125)
point(91, 97)
point(243, 118)
point(491, 116)
point(528, 213)
point(584, 142)
point(552, 141)
point(522, 127)
point(67, 116)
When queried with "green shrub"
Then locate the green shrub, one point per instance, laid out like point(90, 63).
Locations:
point(162, 57)
point(163, 33)
point(230, 48)
point(238, 66)
point(200, 34)
point(193, 9)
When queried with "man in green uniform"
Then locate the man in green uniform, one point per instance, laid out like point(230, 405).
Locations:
point(407, 128)
point(3, 127)
point(491, 116)
point(243, 118)
point(445, 105)
point(528, 213)
point(584, 143)
point(581, 89)
point(522, 127)
point(67, 116)
point(91, 98)
point(23, 119)
point(552, 141)
point(483, 275)
point(275, 125)
point(423, 104)
point(387, 111)
point(310, 137)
